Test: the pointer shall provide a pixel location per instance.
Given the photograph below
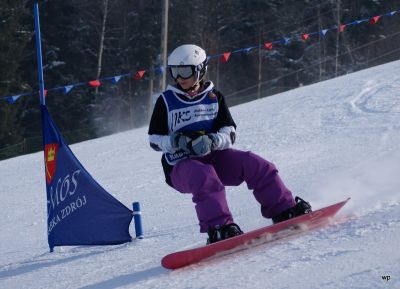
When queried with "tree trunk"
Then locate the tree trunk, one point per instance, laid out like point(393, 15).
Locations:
point(101, 44)
point(337, 37)
point(320, 42)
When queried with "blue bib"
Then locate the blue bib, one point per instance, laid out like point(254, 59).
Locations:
point(189, 117)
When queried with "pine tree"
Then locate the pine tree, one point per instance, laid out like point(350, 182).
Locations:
point(13, 37)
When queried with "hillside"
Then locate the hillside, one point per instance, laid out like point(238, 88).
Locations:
point(332, 140)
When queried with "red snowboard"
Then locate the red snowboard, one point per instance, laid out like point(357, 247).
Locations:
point(266, 234)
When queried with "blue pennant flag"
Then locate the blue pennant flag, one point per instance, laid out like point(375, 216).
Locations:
point(68, 88)
point(13, 99)
point(285, 40)
point(324, 31)
point(160, 70)
point(80, 211)
point(116, 79)
point(247, 50)
point(360, 21)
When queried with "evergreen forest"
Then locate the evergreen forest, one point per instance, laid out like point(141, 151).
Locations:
point(94, 39)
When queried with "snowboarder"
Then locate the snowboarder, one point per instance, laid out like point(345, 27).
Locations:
point(193, 127)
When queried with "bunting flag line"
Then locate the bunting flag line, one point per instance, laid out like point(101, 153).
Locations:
point(225, 57)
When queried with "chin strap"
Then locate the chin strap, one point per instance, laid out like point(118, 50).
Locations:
point(195, 83)
point(192, 91)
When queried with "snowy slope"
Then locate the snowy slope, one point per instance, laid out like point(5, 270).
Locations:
point(331, 140)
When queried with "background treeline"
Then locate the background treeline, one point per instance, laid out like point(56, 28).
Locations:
point(86, 40)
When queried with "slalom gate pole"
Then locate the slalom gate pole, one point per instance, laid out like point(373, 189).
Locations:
point(137, 216)
point(39, 54)
point(40, 68)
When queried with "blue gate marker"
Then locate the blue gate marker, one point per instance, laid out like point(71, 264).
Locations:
point(137, 216)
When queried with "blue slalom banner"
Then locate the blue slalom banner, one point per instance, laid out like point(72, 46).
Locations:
point(80, 211)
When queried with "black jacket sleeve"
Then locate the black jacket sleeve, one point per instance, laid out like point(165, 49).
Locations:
point(224, 117)
point(159, 118)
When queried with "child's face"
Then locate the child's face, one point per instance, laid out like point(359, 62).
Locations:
point(186, 83)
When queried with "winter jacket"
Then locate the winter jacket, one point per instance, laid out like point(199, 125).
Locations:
point(176, 111)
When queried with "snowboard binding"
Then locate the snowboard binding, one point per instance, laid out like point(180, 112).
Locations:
point(223, 232)
point(302, 207)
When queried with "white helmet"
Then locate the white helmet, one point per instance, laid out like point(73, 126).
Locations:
point(187, 60)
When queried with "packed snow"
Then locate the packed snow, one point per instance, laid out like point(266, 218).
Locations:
point(332, 140)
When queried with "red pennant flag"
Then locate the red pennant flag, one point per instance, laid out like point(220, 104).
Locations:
point(225, 57)
point(268, 45)
point(375, 20)
point(139, 74)
point(94, 83)
point(342, 27)
point(44, 92)
point(305, 36)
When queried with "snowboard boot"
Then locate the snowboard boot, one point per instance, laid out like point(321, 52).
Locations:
point(220, 233)
point(302, 207)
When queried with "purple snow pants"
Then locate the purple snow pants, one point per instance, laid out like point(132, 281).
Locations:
point(206, 177)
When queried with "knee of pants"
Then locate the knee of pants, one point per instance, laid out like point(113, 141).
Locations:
point(258, 167)
point(195, 178)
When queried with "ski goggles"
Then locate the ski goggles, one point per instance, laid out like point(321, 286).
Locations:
point(184, 72)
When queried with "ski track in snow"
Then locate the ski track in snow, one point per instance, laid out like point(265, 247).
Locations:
point(332, 140)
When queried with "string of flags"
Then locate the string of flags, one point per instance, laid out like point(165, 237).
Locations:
point(223, 57)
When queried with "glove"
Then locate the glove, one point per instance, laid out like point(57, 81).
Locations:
point(180, 142)
point(204, 144)
point(215, 140)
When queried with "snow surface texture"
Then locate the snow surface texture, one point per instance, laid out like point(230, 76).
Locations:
point(331, 140)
